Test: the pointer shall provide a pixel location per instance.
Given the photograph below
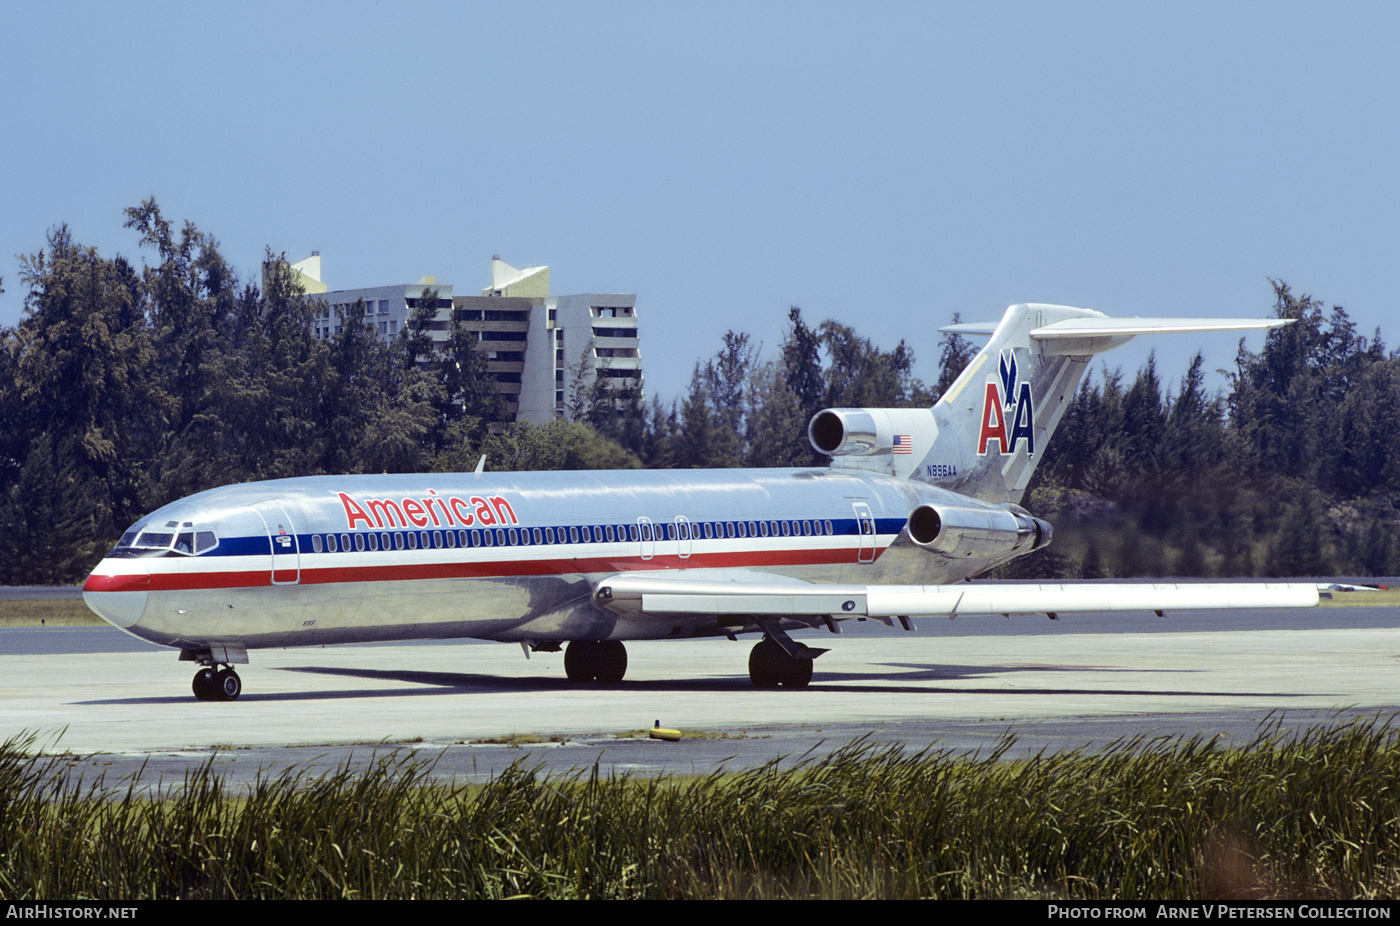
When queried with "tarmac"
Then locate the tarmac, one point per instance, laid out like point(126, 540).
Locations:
point(123, 709)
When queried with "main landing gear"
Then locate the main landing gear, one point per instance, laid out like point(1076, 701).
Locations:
point(770, 667)
point(589, 661)
point(776, 660)
point(222, 684)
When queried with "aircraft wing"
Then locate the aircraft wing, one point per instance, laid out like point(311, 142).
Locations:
point(738, 592)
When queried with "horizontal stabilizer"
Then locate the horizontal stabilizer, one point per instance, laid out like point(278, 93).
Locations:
point(978, 329)
point(1101, 327)
point(1128, 327)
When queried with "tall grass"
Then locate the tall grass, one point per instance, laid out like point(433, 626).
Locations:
point(1304, 815)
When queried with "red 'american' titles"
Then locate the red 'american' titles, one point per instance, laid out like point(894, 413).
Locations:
point(381, 513)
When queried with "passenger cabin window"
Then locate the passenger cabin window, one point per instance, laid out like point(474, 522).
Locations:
point(194, 542)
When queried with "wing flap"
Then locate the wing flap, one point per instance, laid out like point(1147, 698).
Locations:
point(785, 604)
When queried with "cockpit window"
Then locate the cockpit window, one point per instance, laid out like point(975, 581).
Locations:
point(154, 539)
point(172, 538)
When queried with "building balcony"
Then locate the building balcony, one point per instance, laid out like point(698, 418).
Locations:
point(615, 344)
point(477, 326)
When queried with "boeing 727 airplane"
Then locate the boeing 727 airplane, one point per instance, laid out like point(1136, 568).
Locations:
point(914, 502)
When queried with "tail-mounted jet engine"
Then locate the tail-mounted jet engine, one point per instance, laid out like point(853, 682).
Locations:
point(984, 531)
point(842, 432)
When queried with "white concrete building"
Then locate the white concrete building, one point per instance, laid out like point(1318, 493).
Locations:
point(541, 350)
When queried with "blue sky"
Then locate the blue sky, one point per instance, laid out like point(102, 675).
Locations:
point(883, 164)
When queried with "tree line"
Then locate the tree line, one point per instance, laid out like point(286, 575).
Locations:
point(123, 388)
point(1291, 471)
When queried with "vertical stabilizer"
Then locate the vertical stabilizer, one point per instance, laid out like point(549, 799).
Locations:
point(986, 434)
point(995, 420)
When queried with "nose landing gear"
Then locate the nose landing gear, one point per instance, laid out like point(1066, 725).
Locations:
point(217, 681)
point(221, 684)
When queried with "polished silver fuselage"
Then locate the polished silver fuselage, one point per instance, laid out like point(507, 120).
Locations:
point(500, 556)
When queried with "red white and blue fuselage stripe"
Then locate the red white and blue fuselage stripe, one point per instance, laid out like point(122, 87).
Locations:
point(462, 554)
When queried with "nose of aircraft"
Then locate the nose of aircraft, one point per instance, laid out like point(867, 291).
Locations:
point(117, 590)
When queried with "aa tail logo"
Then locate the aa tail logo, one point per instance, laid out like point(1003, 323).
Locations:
point(1004, 399)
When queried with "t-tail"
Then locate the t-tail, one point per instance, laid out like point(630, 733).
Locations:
point(985, 435)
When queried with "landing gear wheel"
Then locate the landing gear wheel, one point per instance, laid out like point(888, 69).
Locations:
point(587, 661)
point(203, 685)
point(217, 685)
point(611, 662)
point(799, 673)
point(765, 664)
point(770, 667)
point(227, 685)
point(578, 662)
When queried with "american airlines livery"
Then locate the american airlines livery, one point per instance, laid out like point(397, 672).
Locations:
point(915, 501)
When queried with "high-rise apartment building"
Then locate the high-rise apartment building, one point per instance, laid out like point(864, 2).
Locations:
point(540, 350)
